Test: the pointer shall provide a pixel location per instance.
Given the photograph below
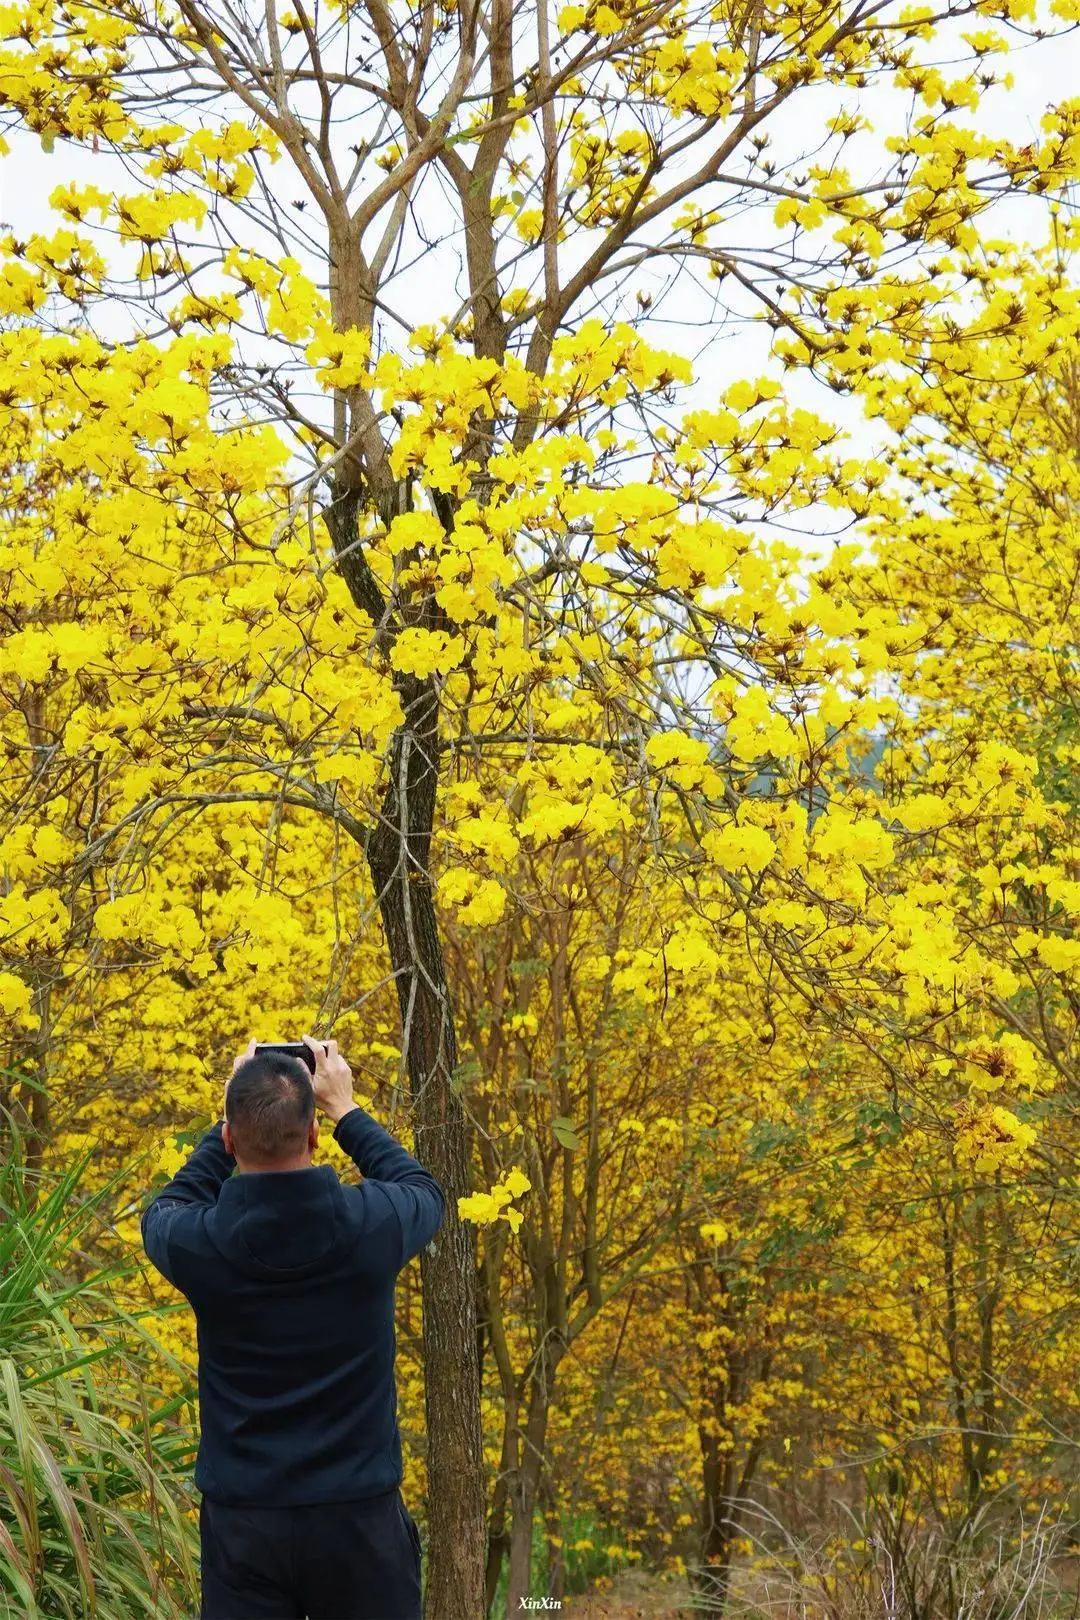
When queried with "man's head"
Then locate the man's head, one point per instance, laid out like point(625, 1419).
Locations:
point(270, 1119)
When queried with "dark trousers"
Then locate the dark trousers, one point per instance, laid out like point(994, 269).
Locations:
point(326, 1561)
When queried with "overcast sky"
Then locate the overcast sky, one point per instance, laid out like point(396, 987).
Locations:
point(1045, 73)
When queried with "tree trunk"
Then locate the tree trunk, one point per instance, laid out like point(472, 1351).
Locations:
point(525, 1485)
point(398, 856)
point(398, 853)
point(33, 1064)
point(523, 1498)
point(498, 1538)
point(556, 1587)
point(497, 1548)
point(712, 1576)
point(724, 1486)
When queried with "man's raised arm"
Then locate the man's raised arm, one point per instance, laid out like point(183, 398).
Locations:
point(413, 1191)
point(197, 1182)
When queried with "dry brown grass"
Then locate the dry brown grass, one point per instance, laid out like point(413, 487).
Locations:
point(633, 1595)
point(637, 1595)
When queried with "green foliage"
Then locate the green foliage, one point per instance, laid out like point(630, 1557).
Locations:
point(566, 1134)
point(92, 1524)
point(584, 1565)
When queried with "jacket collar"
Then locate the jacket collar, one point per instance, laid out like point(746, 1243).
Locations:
point(279, 1222)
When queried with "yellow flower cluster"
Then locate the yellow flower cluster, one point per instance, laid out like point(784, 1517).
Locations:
point(486, 1208)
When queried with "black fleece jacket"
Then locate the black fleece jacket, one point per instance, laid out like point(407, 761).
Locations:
point(291, 1277)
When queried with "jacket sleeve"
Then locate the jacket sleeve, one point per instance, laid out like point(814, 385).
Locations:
point(414, 1193)
point(195, 1186)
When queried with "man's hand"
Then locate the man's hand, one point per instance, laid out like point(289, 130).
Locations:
point(333, 1079)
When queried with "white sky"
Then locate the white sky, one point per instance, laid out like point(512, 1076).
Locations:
point(1045, 72)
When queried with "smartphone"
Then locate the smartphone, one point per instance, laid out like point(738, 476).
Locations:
point(293, 1049)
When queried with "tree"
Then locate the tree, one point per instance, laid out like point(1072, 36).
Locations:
point(581, 1087)
point(483, 570)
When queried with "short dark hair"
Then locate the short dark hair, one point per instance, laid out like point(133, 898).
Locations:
point(270, 1104)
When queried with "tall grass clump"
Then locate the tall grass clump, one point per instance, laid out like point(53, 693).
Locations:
point(1018, 1568)
point(94, 1523)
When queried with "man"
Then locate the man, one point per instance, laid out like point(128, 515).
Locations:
point(291, 1277)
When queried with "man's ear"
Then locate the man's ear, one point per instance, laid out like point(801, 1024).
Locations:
point(226, 1139)
point(313, 1134)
